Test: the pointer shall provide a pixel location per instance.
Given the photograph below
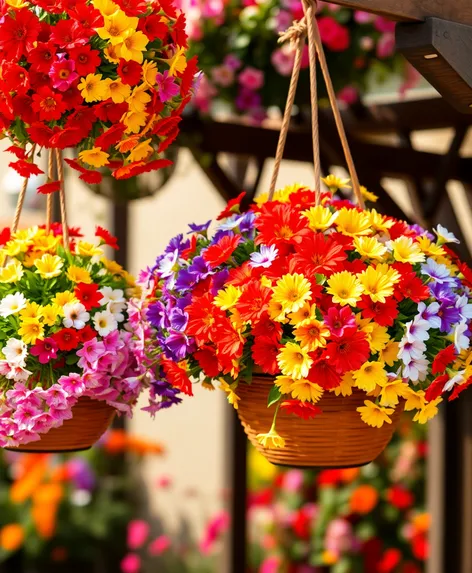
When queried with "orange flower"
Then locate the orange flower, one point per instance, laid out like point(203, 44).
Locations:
point(12, 537)
point(44, 519)
point(363, 499)
point(26, 485)
point(143, 447)
point(115, 441)
point(421, 523)
point(348, 475)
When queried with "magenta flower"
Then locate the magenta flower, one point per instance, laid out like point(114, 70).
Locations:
point(251, 78)
point(45, 350)
point(159, 545)
point(340, 320)
point(222, 75)
point(138, 531)
point(73, 384)
point(63, 73)
point(90, 352)
point(166, 86)
point(131, 563)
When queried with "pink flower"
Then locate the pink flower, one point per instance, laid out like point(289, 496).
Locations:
point(159, 545)
point(55, 397)
point(131, 563)
point(348, 95)
point(334, 35)
point(90, 352)
point(293, 480)
point(339, 536)
point(215, 528)
point(251, 78)
point(45, 350)
point(384, 25)
point(363, 17)
point(232, 62)
point(386, 46)
point(222, 75)
point(164, 482)
point(25, 416)
point(204, 93)
point(270, 565)
point(166, 86)
point(73, 384)
point(63, 73)
point(138, 531)
point(283, 59)
point(339, 320)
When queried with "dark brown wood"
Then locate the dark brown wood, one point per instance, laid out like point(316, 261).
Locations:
point(441, 51)
point(411, 10)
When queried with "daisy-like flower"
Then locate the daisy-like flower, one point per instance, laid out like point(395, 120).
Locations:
point(370, 375)
point(457, 379)
point(311, 334)
point(271, 440)
point(12, 303)
point(104, 323)
point(94, 157)
point(408, 351)
point(227, 297)
point(430, 314)
point(75, 315)
point(345, 288)
point(12, 272)
point(292, 291)
point(461, 340)
point(370, 248)
point(294, 361)
point(368, 195)
point(374, 415)
point(334, 183)
point(438, 272)
point(30, 330)
point(111, 295)
point(379, 282)
point(427, 412)
point(49, 266)
point(15, 352)
point(352, 222)
point(320, 218)
point(391, 393)
point(417, 329)
point(265, 257)
point(78, 275)
point(306, 391)
point(116, 309)
point(93, 88)
point(405, 250)
point(416, 370)
point(444, 236)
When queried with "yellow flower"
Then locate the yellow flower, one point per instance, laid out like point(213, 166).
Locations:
point(370, 247)
point(141, 151)
point(78, 275)
point(112, 53)
point(370, 375)
point(427, 411)
point(284, 383)
point(85, 249)
point(149, 73)
point(31, 257)
point(378, 282)
point(405, 250)
point(232, 397)
point(276, 311)
point(17, 4)
point(49, 266)
point(374, 415)
point(368, 195)
point(51, 313)
point(227, 297)
point(329, 557)
point(294, 361)
point(281, 195)
point(311, 334)
point(415, 399)
point(95, 157)
point(105, 7)
point(390, 393)
point(379, 337)
point(31, 310)
point(271, 440)
point(429, 248)
point(303, 313)
point(65, 297)
point(345, 388)
point(112, 267)
point(30, 330)
point(133, 46)
point(292, 291)
point(306, 391)
point(129, 278)
point(320, 218)
point(93, 88)
point(177, 63)
point(352, 222)
point(238, 324)
point(334, 183)
point(46, 243)
point(139, 99)
point(345, 288)
point(134, 121)
point(11, 273)
point(117, 90)
point(379, 222)
point(14, 248)
point(116, 27)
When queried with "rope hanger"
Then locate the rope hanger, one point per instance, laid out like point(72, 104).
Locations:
point(297, 34)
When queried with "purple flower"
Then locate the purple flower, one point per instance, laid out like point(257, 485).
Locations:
point(166, 86)
point(438, 272)
point(157, 315)
point(202, 229)
point(177, 243)
point(81, 474)
point(219, 280)
point(449, 315)
point(247, 100)
point(63, 73)
point(177, 346)
point(232, 62)
point(178, 319)
point(430, 314)
point(265, 257)
point(185, 280)
point(200, 268)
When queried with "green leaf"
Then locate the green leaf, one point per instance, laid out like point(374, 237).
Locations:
point(320, 279)
point(72, 359)
point(274, 396)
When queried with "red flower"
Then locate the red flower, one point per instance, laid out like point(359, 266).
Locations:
point(153, 27)
point(302, 523)
point(254, 301)
point(82, 118)
point(88, 295)
point(49, 188)
point(86, 59)
point(165, 125)
point(348, 352)
point(467, 273)
point(168, 7)
point(390, 561)
point(110, 136)
point(228, 341)
point(132, 7)
point(40, 134)
point(280, 224)
point(91, 177)
point(106, 237)
point(329, 478)
point(232, 207)
point(86, 333)
point(267, 327)
point(303, 410)
point(168, 140)
point(5, 236)
point(382, 313)
point(16, 77)
point(72, 97)
point(240, 276)
point(25, 168)
point(177, 377)
point(42, 57)
point(202, 316)
point(67, 137)
point(208, 361)
point(412, 287)
point(400, 497)
point(18, 34)
point(420, 547)
point(443, 358)
point(318, 254)
point(179, 34)
point(109, 111)
point(264, 353)
point(68, 35)
point(324, 374)
point(129, 72)
point(20, 152)
point(459, 388)
point(48, 104)
point(219, 253)
point(188, 76)
point(302, 199)
point(139, 167)
point(87, 18)
point(435, 389)
point(22, 107)
point(66, 339)
point(334, 35)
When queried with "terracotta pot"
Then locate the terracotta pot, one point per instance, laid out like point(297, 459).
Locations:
point(337, 438)
point(90, 420)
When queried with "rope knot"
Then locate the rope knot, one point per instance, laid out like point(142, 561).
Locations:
point(293, 34)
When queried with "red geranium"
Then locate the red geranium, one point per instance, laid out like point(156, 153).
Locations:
point(106, 237)
point(264, 354)
point(208, 361)
point(318, 254)
point(40, 134)
point(88, 295)
point(25, 168)
point(16, 77)
point(110, 136)
point(443, 358)
point(5, 236)
point(267, 327)
point(86, 333)
point(435, 389)
point(86, 60)
point(202, 315)
point(348, 352)
point(324, 374)
point(232, 207)
point(177, 377)
point(228, 341)
point(129, 72)
point(219, 253)
point(48, 188)
point(411, 287)
point(66, 339)
point(254, 301)
point(383, 314)
point(22, 107)
point(153, 27)
point(459, 388)
point(303, 410)
point(19, 33)
point(42, 57)
point(48, 104)
point(280, 224)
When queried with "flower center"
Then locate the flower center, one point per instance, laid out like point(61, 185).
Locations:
point(48, 103)
point(114, 31)
point(64, 73)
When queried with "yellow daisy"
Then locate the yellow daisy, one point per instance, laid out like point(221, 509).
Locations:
point(352, 222)
point(427, 411)
point(133, 46)
point(12, 272)
point(30, 330)
point(177, 63)
point(334, 183)
point(85, 249)
point(320, 218)
point(93, 88)
point(405, 250)
point(271, 440)
point(370, 248)
point(116, 27)
point(375, 415)
point(134, 121)
point(370, 375)
point(117, 90)
point(379, 222)
point(95, 157)
point(429, 248)
point(306, 391)
point(31, 310)
point(368, 195)
point(415, 399)
point(292, 291)
point(232, 397)
point(379, 282)
point(294, 361)
point(276, 311)
point(142, 151)
point(51, 313)
point(345, 288)
point(49, 266)
point(345, 388)
point(227, 297)
point(379, 337)
point(303, 313)
point(391, 393)
point(284, 383)
point(78, 275)
point(63, 298)
point(389, 354)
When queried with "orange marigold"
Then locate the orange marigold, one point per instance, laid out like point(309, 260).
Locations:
point(363, 499)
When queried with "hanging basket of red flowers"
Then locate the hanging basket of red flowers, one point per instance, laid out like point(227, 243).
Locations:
point(321, 320)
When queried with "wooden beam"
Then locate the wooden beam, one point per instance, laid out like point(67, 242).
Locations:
point(414, 10)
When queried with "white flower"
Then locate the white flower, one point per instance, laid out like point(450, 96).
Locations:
point(116, 309)
point(409, 351)
point(417, 330)
point(15, 352)
point(416, 370)
point(445, 236)
point(429, 313)
point(76, 316)
point(461, 341)
point(265, 257)
point(15, 372)
point(111, 295)
point(462, 303)
point(12, 304)
point(457, 379)
point(167, 264)
point(105, 323)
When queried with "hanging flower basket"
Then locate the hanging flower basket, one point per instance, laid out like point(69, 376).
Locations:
point(108, 79)
point(350, 315)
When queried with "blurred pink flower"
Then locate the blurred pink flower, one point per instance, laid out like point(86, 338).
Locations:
point(384, 25)
point(251, 78)
point(215, 528)
point(138, 531)
point(222, 75)
point(293, 480)
point(339, 536)
point(159, 545)
point(131, 563)
point(363, 17)
point(166, 481)
point(270, 565)
point(334, 35)
point(348, 95)
point(269, 542)
point(386, 46)
point(232, 62)
point(282, 60)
